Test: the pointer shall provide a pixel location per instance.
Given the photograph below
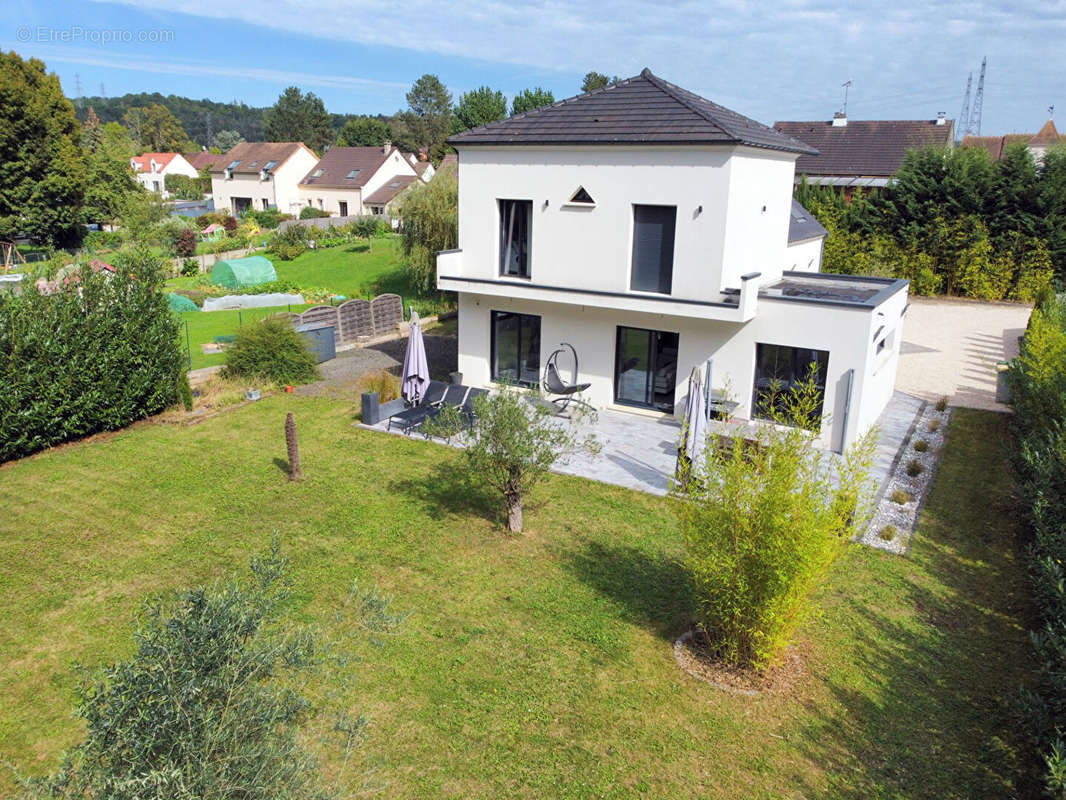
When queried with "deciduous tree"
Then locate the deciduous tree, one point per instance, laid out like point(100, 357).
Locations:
point(529, 99)
point(226, 140)
point(430, 213)
point(110, 178)
point(363, 132)
point(155, 129)
point(42, 166)
point(478, 107)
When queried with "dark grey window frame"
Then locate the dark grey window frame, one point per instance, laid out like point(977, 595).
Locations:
point(640, 258)
point(508, 208)
point(799, 369)
point(493, 366)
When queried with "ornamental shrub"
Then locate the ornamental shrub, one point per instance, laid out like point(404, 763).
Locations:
point(229, 223)
point(310, 212)
point(185, 243)
point(271, 350)
point(99, 352)
point(763, 522)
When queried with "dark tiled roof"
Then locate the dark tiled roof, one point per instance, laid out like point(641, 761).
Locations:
point(202, 159)
point(253, 156)
point(339, 162)
point(864, 148)
point(802, 225)
point(393, 186)
point(641, 110)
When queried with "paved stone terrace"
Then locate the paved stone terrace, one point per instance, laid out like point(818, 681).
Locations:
point(640, 452)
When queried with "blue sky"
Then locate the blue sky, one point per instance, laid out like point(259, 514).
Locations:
point(783, 59)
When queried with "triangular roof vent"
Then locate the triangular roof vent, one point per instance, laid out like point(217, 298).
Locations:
point(581, 197)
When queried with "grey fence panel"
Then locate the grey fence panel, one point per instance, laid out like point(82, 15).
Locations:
point(355, 320)
point(387, 310)
point(327, 314)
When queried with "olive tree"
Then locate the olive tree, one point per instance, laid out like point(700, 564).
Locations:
point(764, 513)
point(514, 439)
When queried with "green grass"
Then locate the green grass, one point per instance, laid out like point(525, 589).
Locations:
point(536, 666)
point(352, 270)
point(204, 326)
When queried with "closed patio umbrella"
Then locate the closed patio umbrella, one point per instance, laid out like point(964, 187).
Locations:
point(415, 365)
point(695, 420)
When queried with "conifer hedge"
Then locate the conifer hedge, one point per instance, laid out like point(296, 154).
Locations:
point(94, 353)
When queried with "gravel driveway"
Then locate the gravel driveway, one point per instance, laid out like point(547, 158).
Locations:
point(950, 347)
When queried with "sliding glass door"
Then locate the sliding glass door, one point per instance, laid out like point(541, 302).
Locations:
point(645, 373)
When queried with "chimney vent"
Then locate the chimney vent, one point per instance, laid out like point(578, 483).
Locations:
point(840, 120)
point(941, 118)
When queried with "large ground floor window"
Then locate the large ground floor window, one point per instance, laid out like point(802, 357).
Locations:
point(779, 368)
point(515, 348)
point(241, 204)
point(645, 371)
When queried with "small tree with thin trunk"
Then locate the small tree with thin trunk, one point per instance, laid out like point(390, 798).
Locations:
point(515, 438)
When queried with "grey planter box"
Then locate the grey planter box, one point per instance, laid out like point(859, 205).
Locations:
point(374, 412)
point(320, 340)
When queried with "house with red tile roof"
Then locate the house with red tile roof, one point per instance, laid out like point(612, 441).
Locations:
point(1037, 143)
point(151, 169)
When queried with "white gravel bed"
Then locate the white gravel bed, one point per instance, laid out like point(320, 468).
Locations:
point(904, 517)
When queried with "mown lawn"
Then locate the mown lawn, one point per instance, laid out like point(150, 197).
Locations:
point(353, 270)
point(538, 666)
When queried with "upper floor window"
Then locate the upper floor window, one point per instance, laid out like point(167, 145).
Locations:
point(653, 248)
point(516, 218)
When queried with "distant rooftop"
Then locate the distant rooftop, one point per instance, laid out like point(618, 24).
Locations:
point(802, 225)
point(864, 148)
point(644, 109)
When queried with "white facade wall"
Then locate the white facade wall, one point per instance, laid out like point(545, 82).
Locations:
point(329, 199)
point(805, 255)
point(280, 190)
point(149, 179)
point(843, 332)
point(591, 248)
point(758, 213)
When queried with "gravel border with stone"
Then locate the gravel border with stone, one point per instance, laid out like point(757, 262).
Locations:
point(904, 517)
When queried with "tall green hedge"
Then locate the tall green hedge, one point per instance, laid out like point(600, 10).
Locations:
point(99, 352)
point(1038, 384)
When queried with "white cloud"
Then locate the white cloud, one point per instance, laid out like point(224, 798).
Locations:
point(138, 63)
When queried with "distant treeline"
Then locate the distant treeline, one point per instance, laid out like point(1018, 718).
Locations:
point(201, 119)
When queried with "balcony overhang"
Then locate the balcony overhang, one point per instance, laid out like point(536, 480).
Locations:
point(738, 305)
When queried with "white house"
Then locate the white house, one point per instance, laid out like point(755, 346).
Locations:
point(655, 231)
point(346, 177)
point(260, 175)
point(151, 169)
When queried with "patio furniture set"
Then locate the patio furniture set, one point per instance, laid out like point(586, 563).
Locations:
point(437, 397)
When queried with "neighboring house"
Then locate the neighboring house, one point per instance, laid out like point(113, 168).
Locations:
point(655, 231)
point(202, 159)
point(345, 177)
point(151, 170)
point(1037, 143)
point(384, 200)
point(259, 175)
point(862, 153)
